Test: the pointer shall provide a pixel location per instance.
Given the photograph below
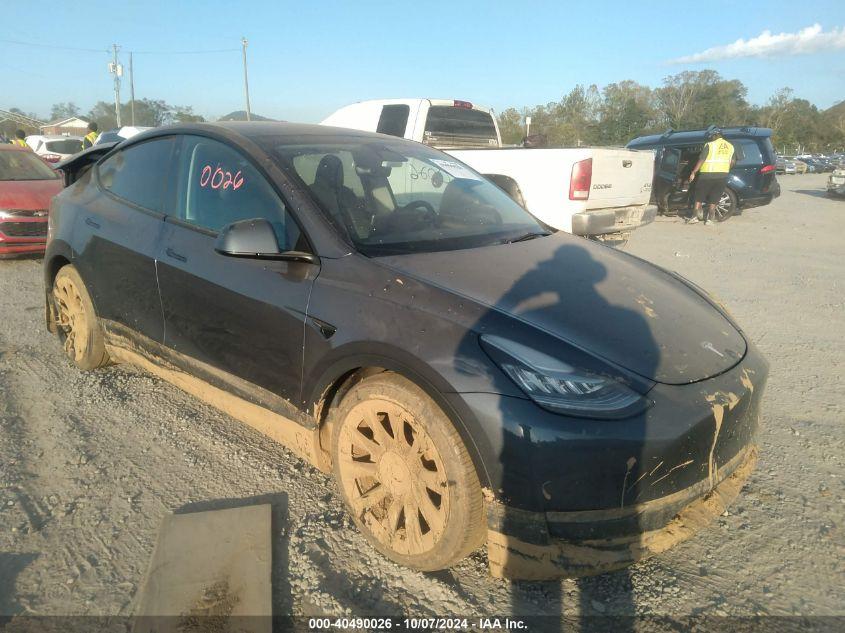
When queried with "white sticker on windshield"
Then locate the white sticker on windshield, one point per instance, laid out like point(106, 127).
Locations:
point(456, 170)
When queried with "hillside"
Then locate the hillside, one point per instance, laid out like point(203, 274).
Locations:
point(240, 115)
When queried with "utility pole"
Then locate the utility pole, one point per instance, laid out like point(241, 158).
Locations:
point(131, 90)
point(117, 70)
point(246, 80)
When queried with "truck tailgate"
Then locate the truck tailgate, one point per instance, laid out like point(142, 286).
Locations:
point(621, 177)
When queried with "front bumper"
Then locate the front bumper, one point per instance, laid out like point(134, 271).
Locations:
point(665, 523)
point(571, 497)
point(23, 235)
point(618, 220)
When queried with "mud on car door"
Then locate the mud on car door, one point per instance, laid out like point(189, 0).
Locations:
point(242, 316)
point(120, 236)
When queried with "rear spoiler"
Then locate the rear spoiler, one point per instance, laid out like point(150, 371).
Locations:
point(72, 168)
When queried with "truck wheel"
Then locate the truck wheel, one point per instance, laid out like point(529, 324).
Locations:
point(726, 206)
point(405, 475)
point(78, 328)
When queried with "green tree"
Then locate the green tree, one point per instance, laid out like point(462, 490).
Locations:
point(511, 126)
point(185, 114)
point(63, 110)
point(627, 110)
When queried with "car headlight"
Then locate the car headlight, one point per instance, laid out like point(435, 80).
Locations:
point(562, 388)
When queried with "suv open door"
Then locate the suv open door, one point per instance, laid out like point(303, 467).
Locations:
point(670, 191)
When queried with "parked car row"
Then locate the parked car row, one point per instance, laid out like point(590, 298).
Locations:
point(818, 164)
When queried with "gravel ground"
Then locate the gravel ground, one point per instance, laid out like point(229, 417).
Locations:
point(91, 463)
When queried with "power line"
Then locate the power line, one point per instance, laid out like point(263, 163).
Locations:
point(97, 50)
point(58, 48)
point(216, 50)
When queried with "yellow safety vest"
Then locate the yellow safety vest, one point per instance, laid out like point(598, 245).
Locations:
point(90, 137)
point(19, 142)
point(719, 155)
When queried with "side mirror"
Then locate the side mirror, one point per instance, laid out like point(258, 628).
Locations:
point(256, 239)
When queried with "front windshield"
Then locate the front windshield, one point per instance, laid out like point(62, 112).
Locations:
point(24, 165)
point(401, 197)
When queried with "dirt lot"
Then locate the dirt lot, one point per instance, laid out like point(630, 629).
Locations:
point(90, 463)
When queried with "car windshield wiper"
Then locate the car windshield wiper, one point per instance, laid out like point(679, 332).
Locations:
point(525, 237)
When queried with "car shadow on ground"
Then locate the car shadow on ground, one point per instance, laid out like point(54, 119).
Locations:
point(280, 539)
point(550, 604)
point(11, 565)
point(816, 193)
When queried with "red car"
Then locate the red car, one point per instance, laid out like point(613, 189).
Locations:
point(27, 184)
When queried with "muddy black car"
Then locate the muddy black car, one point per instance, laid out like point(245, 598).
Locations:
point(468, 375)
point(752, 181)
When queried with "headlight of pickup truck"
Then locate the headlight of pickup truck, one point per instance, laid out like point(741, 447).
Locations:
point(561, 388)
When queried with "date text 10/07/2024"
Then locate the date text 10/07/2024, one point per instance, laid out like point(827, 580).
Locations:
point(418, 624)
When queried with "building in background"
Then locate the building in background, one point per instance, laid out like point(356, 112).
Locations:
point(74, 126)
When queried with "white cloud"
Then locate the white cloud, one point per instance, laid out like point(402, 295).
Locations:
point(808, 40)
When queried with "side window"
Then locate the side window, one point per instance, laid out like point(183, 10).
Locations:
point(219, 186)
point(393, 120)
point(138, 173)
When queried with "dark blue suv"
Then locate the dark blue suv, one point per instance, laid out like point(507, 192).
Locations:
point(752, 181)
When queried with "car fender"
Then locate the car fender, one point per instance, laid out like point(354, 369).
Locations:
point(325, 389)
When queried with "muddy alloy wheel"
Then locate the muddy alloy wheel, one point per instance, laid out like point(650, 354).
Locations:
point(77, 323)
point(394, 477)
point(405, 475)
point(726, 206)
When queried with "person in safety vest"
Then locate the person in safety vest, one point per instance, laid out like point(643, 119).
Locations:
point(711, 175)
point(20, 135)
point(88, 139)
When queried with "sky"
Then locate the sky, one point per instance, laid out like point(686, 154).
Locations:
point(307, 59)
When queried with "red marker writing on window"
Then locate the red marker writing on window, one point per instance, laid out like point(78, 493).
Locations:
point(220, 179)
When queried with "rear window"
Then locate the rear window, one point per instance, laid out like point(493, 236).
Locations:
point(393, 120)
point(64, 146)
point(748, 153)
point(24, 165)
point(445, 123)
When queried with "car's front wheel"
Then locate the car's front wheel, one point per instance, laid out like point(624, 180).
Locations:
point(405, 474)
point(726, 206)
point(77, 323)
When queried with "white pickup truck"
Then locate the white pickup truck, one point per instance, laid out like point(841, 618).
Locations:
point(594, 192)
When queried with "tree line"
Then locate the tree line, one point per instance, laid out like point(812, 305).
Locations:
point(689, 100)
point(148, 112)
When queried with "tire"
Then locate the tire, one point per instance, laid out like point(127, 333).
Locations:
point(423, 509)
point(77, 324)
point(727, 205)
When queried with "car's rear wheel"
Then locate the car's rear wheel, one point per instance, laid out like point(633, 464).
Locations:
point(77, 323)
point(405, 474)
point(726, 206)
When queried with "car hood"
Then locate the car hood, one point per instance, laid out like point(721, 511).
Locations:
point(28, 195)
point(607, 303)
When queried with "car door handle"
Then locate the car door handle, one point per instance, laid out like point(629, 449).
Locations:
point(171, 253)
point(92, 223)
point(626, 163)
